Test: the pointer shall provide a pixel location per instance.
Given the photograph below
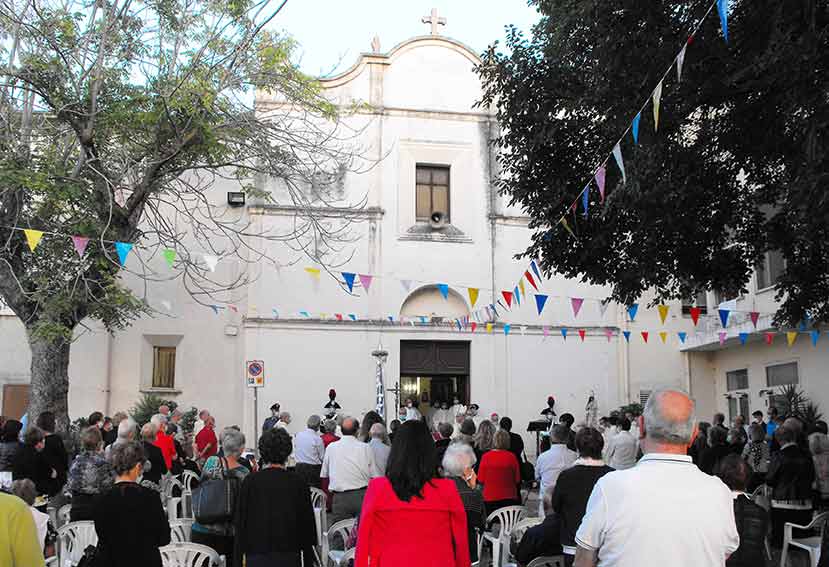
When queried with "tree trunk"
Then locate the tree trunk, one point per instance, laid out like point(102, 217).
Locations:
point(50, 379)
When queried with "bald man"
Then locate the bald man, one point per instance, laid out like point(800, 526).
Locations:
point(664, 507)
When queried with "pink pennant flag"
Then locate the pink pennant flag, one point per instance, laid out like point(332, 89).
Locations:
point(609, 334)
point(365, 281)
point(755, 316)
point(600, 178)
point(546, 331)
point(722, 335)
point(576, 303)
point(80, 243)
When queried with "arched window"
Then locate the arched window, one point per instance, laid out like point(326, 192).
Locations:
point(429, 302)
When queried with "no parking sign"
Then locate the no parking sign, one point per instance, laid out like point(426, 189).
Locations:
point(255, 373)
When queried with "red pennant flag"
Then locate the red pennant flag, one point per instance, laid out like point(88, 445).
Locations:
point(474, 326)
point(769, 338)
point(530, 279)
point(339, 316)
point(754, 317)
point(695, 313)
point(582, 332)
point(507, 297)
point(645, 335)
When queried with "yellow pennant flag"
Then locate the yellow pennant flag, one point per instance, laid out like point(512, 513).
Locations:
point(313, 272)
point(473, 295)
point(489, 327)
point(521, 287)
point(567, 227)
point(33, 238)
point(663, 312)
point(791, 337)
point(663, 335)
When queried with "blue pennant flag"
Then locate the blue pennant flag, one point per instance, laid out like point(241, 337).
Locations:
point(517, 295)
point(540, 301)
point(722, 8)
point(682, 335)
point(535, 270)
point(585, 199)
point(444, 290)
point(632, 311)
point(564, 332)
point(492, 306)
point(627, 335)
point(391, 318)
point(743, 338)
point(215, 309)
point(349, 280)
point(803, 325)
point(423, 319)
point(635, 127)
point(352, 316)
point(724, 313)
point(304, 313)
point(507, 329)
point(815, 336)
point(123, 249)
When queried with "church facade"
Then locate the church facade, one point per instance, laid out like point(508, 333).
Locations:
point(433, 252)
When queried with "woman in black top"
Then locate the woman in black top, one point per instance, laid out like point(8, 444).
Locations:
point(54, 453)
point(10, 444)
point(458, 463)
point(274, 517)
point(752, 520)
point(30, 464)
point(129, 520)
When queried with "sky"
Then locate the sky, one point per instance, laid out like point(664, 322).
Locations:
point(333, 33)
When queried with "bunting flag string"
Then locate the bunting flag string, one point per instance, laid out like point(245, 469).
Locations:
point(80, 243)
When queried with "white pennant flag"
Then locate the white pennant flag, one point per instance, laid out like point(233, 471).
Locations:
point(603, 307)
point(679, 61)
point(211, 261)
point(617, 153)
point(657, 97)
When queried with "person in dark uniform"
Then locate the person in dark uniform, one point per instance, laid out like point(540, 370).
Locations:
point(270, 422)
point(332, 407)
point(549, 412)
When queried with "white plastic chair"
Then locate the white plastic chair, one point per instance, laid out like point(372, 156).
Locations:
point(508, 518)
point(341, 529)
point(173, 501)
point(188, 479)
point(517, 533)
point(73, 539)
point(557, 561)
point(318, 502)
point(181, 530)
point(188, 555)
point(810, 544)
point(62, 516)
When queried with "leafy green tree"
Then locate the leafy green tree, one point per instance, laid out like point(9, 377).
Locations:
point(116, 119)
point(739, 165)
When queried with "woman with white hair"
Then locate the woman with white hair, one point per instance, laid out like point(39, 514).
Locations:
point(458, 464)
point(219, 536)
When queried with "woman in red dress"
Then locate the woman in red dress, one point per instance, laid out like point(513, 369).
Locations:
point(410, 517)
point(500, 474)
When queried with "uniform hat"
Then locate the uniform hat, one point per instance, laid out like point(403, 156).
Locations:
point(275, 406)
point(332, 393)
point(475, 406)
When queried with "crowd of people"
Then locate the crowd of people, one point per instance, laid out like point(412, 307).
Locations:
point(425, 486)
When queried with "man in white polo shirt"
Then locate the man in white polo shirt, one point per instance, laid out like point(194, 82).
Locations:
point(664, 510)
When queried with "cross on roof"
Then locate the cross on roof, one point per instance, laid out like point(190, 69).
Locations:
point(434, 20)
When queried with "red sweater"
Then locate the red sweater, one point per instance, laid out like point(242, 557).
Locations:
point(424, 532)
point(207, 437)
point(167, 446)
point(500, 474)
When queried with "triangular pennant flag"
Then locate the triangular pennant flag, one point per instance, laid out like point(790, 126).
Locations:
point(423, 319)
point(634, 127)
point(391, 318)
point(645, 335)
point(680, 60)
point(743, 338)
point(530, 279)
point(682, 335)
point(576, 303)
point(489, 327)
point(632, 311)
point(349, 280)
point(626, 334)
point(407, 285)
point(365, 281)
point(815, 336)
point(233, 308)
point(617, 153)
point(585, 199)
point(123, 250)
point(695, 313)
point(566, 226)
point(755, 316)
point(603, 307)
point(473, 325)
point(663, 312)
point(516, 295)
point(540, 301)
point(338, 316)
point(313, 272)
point(523, 329)
point(507, 329)
point(769, 338)
point(305, 314)
point(33, 237)
point(80, 243)
point(535, 270)
point(352, 316)
point(664, 336)
point(492, 306)
point(215, 309)
point(507, 297)
point(169, 256)
point(724, 313)
point(521, 287)
point(601, 175)
point(722, 8)
point(546, 331)
point(582, 333)
point(722, 335)
point(444, 290)
point(791, 337)
point(564, 333)
point(275, 313)
point(473, 296)
point(211, 261)
point(657, 97)
point(609, 334)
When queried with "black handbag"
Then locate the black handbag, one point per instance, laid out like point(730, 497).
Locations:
point(214, 499)
point(527, 471)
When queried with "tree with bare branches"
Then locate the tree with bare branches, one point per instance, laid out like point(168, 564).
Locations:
point(117, 118)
